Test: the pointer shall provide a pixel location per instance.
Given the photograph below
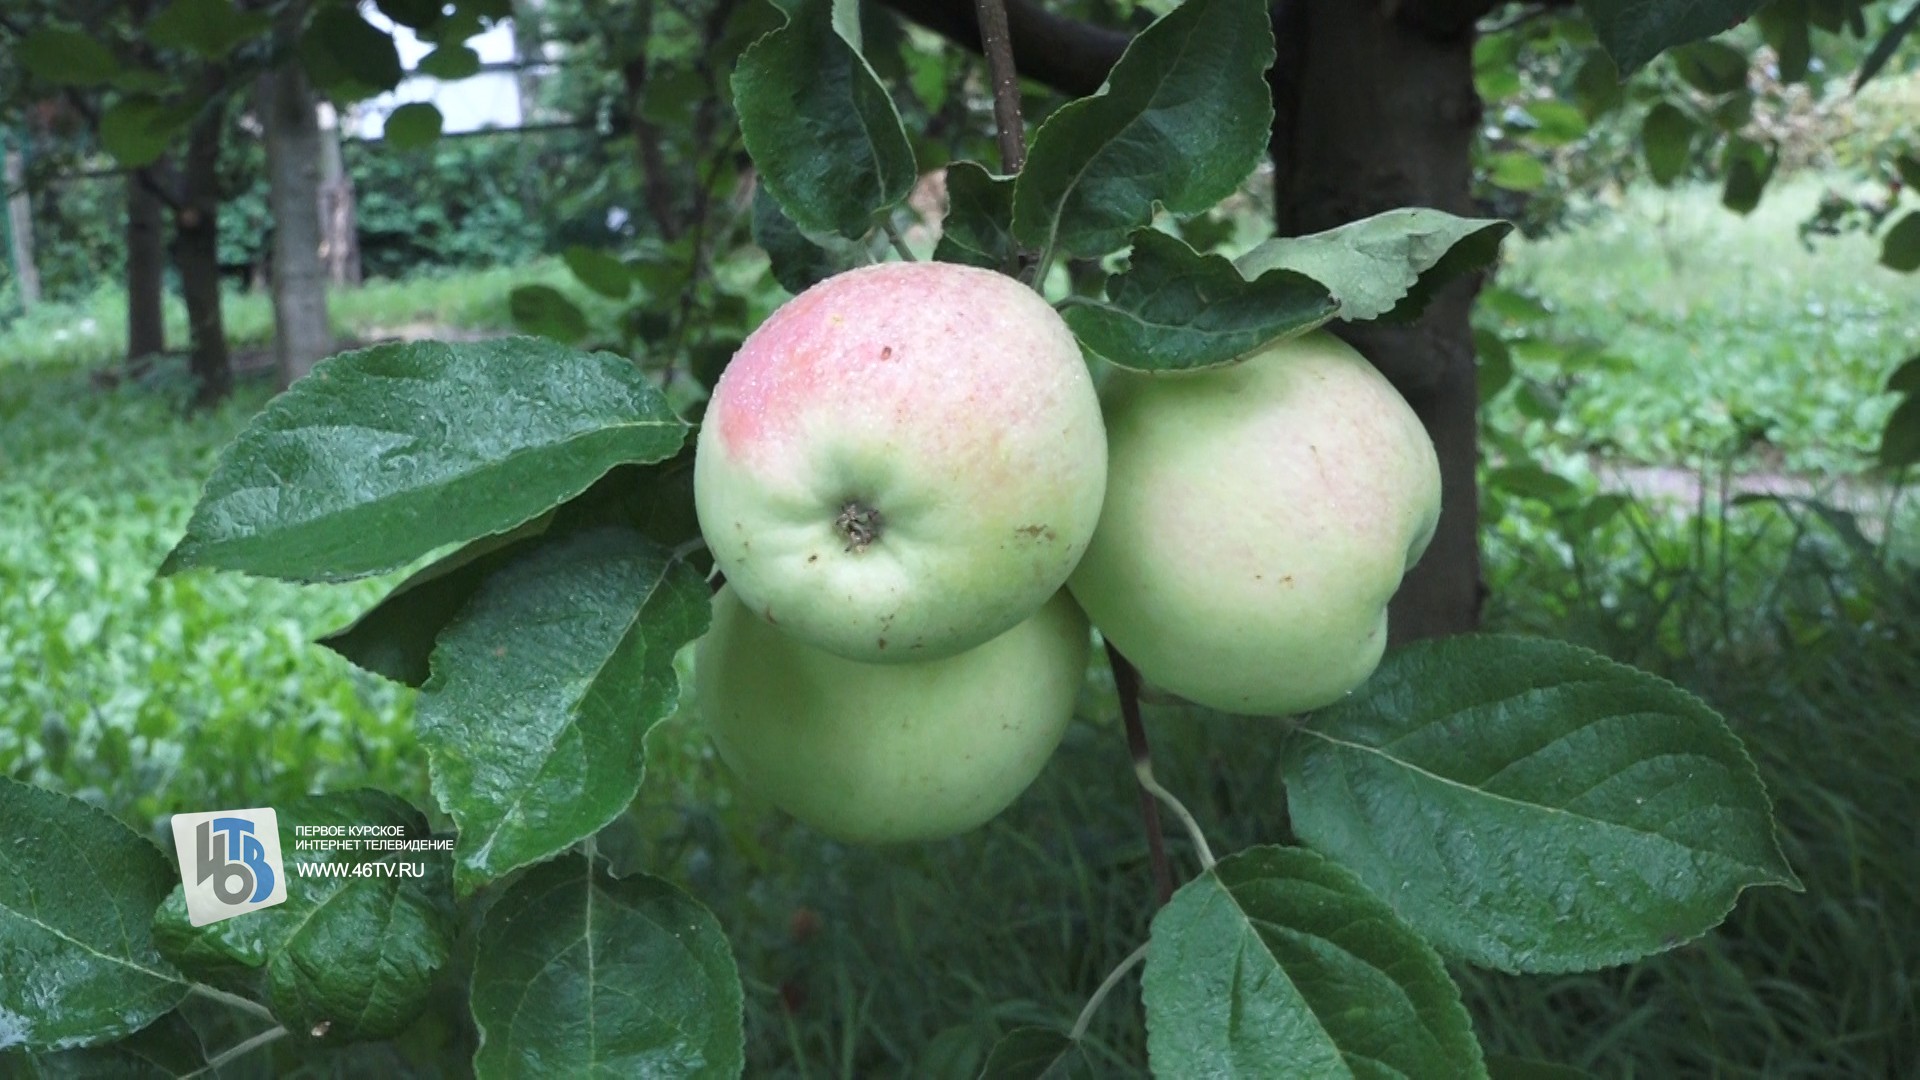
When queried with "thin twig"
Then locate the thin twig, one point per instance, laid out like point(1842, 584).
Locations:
point(239, 1050)
point(996, 43)
point(1106, 987)
point(247, 1005)
point(1127, 681)
point(899, 242)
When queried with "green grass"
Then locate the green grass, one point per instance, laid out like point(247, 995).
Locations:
point(1714, 327)
point(154, 695)
point(93, 332)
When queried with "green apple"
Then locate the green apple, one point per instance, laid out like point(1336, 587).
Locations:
point(1258, 518)
point(902, 462)
point(881, 753)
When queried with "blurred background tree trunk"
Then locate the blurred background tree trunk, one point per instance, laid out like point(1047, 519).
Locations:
point(196, 255)
point(146, 270)
point(339, 224)
point(302, 335)
point(20, 225)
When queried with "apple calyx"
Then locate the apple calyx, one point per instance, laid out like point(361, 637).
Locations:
point(859, 524)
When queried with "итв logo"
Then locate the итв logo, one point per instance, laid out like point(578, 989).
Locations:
point(229, 863)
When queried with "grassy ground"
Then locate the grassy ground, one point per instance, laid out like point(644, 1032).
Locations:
point(93, 333)
point(160, 695)
point(1714, 329)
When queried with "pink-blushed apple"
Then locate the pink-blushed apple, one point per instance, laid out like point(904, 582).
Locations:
point(1258, 518)
point(902, 462)
point(884, 753)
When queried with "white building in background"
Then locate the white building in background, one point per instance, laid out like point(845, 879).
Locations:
point(490, 99)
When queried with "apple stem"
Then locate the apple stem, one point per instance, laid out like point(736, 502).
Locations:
point(1106, 987)
point(1143, 771)
point(996, 43)
point(1126, 680)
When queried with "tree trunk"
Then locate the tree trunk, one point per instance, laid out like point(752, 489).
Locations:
point(339, 223)
point(1375, 109)
point(528, 50)
point(301, 334)
point(196, 255)
point(20, 226)
point(146, 269)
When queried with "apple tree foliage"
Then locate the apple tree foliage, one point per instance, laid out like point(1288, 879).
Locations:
point(1518, 804)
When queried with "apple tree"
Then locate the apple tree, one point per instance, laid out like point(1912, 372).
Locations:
point(1517, 804)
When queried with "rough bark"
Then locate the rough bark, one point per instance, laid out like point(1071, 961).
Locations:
point(20, 227)
point(1375, 109)
point(146, 270)
point(301, 333)
point(196, 255)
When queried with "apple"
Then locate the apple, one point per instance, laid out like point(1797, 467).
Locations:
point(1258, 518)
point(902, 462)
point(882, 753)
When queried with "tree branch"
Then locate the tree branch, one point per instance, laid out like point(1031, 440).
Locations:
point(996, 42)
point(1066, 54)
point(1126, 680)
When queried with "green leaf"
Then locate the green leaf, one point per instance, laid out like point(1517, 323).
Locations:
point(1533, 482)
point(450, 62)
point(395, 638)
point(1031, 1053)
point(544, 311)
point(346, 57)
point(413, 126)
point(77, 892)
point(819, 124)
point(351, 956)
point(67, 57)
point(798, 261)
point(1900, 440)
point(1636, 31)
point(1900, 246)
point(137, 130)
point(978, 229)
point(1596, 86)
point(1517, 170)
point(383, 455)
point(544, 688)
point(167, 1049)
point(211, 28)
point(1712, 67)
point(1747, 166)
point(1888, 44)
point(1277, 962)
point(599, 271)
point(579, 974)
point(1386, 266)
point(1666, 139)
point(1528, 805)
point(1175, 309)
point(1181, 120)
point(1905, 378)
point(1908, 168)
point(1783, 25)
point(1557, 123)
point(415, 14)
